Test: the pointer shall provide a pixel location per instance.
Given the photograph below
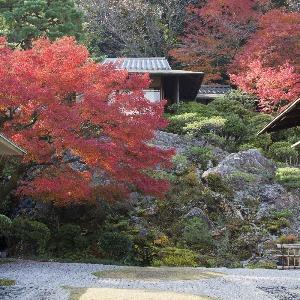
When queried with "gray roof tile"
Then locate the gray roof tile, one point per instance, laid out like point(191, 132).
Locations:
point(140, 64)
point(214, 89)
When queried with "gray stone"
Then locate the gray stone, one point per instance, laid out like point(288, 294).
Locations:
point(197, 212)
point(244, 168)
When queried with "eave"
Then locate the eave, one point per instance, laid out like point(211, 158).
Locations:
point(9, 148)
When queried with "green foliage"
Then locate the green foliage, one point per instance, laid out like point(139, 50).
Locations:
point(70, 238)
point(283, 152)
point(5, 225)
point(143, 252)
point(176, 257)
point(231, 123)
point(201, 156)
point(278, 220)
point(204, 125)
point(30, 234)
point(263, 265)
point(10, 172)
point(115, 245)
point(181, 164)
point(287, 239)
point(217, 184)
point(289, 177)
point(26, 20)
point(196, 234)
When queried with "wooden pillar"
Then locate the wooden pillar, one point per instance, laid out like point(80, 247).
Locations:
point(177, 95)
point(162, 92)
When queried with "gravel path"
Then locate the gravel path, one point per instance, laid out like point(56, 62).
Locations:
point(45, 281)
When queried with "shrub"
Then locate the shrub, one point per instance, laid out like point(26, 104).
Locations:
point(143, 250)
point(181, 164)
point(33, 234)
point(196, 234)
point(283, 152)
point(115, 245)
point(5, 225)
point(176, 257)
point(202, 156)
point(217, 184)
point(263, 265)
point(201, 126)
point(70, 238)
point(278, 220)
point(287, 239)
point(290, 177)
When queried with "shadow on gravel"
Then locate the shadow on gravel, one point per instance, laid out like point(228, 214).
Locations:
point(162, 273)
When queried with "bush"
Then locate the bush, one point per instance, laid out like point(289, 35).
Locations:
point(263, 265)
point(5, 225)
point(283, 152)
point(176, 257)
point(278, 220)
point(115, 245)
point(196, 234)
point(202, 126)
point(202, 156)
point(287, 239)
point(70, 238)
point(217, 184)
point(30, 234)
point(229, 122)
point(181, 164)
point(289, 177)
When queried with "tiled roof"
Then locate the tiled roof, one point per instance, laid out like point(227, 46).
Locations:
point(214, 89)
point(140, 64)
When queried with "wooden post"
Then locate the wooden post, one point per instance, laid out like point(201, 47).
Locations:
point(177, 90)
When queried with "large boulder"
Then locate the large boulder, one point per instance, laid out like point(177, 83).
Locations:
point(255, 192)
point(244, 168)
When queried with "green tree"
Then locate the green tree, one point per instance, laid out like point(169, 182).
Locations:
point(29, 19)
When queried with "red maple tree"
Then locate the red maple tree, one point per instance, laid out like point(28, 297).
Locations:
point(269, 64)
point(108, 127)
point(213, 34)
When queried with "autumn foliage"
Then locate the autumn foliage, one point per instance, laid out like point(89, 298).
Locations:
point(213, 34)
point(58, 104)
point(269, 64)
point(251, 42)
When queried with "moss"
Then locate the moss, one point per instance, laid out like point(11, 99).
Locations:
point(153, 273)
point(7, 282)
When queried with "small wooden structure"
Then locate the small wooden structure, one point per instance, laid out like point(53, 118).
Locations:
point(289, 118)
point(169, 84)
point(289, 257)
point(208, 93)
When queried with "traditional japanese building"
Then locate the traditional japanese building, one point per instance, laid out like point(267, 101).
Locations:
point(289, 118)
point(208, 93)
point(169, 84)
